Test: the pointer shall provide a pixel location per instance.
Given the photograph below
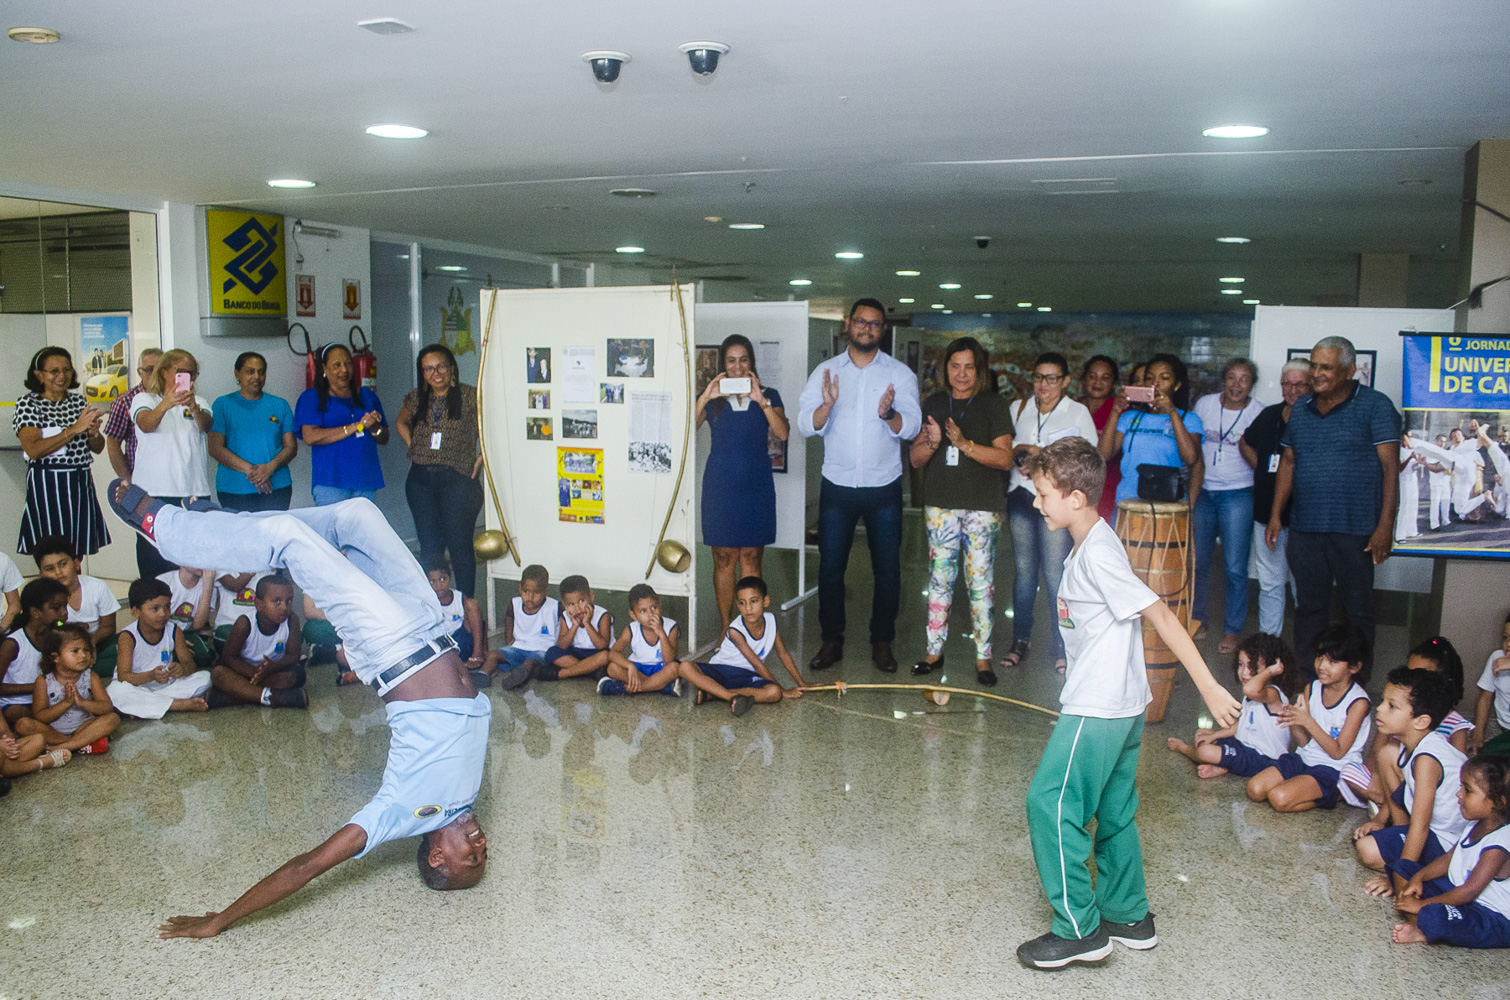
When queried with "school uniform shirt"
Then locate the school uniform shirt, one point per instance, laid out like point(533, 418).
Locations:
point(24, 669)
point(641, 651)
point(435, 755)
point(231, 605)
point(1148, 439)
point(1100, 619)
point(261, 647)
point(1258, 727)
point(859, 449)
point(171, 461)
point(1499, 683)
point(728, 654)
point(1067, 419)
point(148, 656)
point(1226, 469)
point(1465, 857)
point(182, 601)
point(1447, 820)
point(69, 722)
point(455, 613)
point(536, 632)
point(95, 602)
point(253, 430)
point(1332, 720)
point(580, 639)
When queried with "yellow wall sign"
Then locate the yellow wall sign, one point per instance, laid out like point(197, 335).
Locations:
point(246, 263)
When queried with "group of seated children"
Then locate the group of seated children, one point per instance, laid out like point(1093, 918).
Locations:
point(549, 639)
point(1438, 836)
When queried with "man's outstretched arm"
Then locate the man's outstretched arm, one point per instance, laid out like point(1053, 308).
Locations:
point(295, 874)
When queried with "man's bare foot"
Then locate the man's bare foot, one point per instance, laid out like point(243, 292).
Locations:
point(190, 705)
point(1407, 934)
point(1209, 771)
point(1380, 885)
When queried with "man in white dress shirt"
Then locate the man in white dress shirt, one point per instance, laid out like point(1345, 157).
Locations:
point(864, 404)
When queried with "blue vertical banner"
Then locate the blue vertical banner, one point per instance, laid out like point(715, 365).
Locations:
point(1454, 474)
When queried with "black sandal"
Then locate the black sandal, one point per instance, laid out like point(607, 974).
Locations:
point(1013, 658)
point(923, 668)
point(986, 677)
point(741, 704)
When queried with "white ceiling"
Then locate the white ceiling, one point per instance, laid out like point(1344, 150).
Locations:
point(898, 129)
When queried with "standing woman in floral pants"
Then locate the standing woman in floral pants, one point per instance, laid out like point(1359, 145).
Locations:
point(963, 449)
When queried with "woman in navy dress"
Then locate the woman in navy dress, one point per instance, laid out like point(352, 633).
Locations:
point(739, 494)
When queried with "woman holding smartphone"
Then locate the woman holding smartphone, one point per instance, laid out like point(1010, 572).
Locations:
point(1152, 424)
point(739, 491)
point(172, 443)
point(60, 434)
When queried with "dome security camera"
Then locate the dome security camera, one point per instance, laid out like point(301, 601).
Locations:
point(981, 242)
point(704, 56)
point(606, 64)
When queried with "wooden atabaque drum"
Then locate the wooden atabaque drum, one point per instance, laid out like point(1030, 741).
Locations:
point(1156, 537)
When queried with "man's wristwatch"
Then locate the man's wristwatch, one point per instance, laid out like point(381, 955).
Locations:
point(891, 412)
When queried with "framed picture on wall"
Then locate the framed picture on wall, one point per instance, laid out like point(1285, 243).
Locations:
point(706, 367)
point(1365, 362)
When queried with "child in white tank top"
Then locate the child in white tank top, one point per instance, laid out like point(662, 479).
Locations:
point(260, 662)
point(154, 672)
point(638, 661)
point(583, 636)
point(1266, 669)
point(462, 613)
point(737, 673)
point(529, 630)
point(44, 603)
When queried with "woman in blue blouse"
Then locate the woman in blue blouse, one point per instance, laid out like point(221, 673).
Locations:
point(1164, 432)
point(343, 423)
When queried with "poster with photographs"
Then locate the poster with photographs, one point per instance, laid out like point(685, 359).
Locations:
point(631, 357)
point(579, 424)
point(538, 429)
point(579, 485)
point(1365, 363)
point(1454, 473)
point(650, 432)
point(540, 399)
point(705, 366)
point(537, 365)
point(611, 393)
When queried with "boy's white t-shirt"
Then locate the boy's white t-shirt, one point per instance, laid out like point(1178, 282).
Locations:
point(728, 654)
point(10, 577)
point(95, 602)
point(231, 605)
point(1500, 684)
point(182, 601)
point(1100, 620)
point(455, 613)
point(173, 460)
point(1447, 820)
point(581, 640)
point(1258, 727)
point(148, 656)
point(536, 632)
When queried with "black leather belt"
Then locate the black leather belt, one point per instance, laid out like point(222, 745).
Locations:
point(428, 651)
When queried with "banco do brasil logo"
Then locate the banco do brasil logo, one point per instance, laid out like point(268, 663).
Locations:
point(254, 246)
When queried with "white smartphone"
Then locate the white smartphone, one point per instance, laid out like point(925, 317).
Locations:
point(735, 386)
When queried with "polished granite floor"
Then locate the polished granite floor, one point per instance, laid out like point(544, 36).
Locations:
point(641, 847)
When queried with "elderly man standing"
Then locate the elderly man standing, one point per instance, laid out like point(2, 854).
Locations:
point(120, 432)
point(863, 403)
point(1341, 464)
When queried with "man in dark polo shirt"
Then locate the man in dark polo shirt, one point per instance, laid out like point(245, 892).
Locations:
point(1341, 466)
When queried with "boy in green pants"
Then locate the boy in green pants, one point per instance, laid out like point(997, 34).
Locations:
point(1090, 765)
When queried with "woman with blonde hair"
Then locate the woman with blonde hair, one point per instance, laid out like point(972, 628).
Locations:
point(172, 443)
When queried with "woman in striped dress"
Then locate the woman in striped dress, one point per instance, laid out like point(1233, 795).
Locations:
point(60, 434)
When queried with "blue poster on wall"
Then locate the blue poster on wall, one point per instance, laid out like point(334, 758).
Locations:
point(1454, 475)
point(104, 356)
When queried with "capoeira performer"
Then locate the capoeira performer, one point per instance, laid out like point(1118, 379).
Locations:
point(1462, 459)
point(397, 640)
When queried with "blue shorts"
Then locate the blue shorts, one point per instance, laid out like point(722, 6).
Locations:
point(1241, 759)
point(648, 669)
point(1467, 925)
point(463, 644)
point(1391, 841)
point(1291, 766)
point(732, 678)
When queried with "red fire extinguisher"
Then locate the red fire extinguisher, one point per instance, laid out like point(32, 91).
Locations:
point(308, 352)
point(363, 359)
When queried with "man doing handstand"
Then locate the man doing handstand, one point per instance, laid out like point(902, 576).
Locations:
point(397, 640)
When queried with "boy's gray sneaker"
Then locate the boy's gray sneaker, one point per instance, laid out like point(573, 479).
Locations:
point(1139, 936)
point(519, 676)
point(1050, 951)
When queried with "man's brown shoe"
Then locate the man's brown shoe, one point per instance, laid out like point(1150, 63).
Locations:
point(828, 654)
point(880, 655)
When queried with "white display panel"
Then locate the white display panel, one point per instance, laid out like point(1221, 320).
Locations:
point(612, 555)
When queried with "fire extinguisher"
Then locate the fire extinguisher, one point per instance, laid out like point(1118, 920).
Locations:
point(363, 359)
point(308, 352)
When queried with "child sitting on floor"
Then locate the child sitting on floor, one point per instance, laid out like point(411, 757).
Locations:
point(191, 603)
point(1266, 669)
point(90, 602)
point(44, 602)
point(323, 644)
point(647, 646)
point(1331, 726)
point(235, 597)
point(737, 673)
point(1422, 822)
point(260, 662)
point(69, 707)
point(583, 636)
point(1463, 897)
point(461, 611)
point(1494, 689)
point(529, 630)
point(155, 672)
point(27, 754)
point(11, 582)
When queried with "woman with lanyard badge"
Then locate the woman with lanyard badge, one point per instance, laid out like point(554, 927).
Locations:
point(1164, 432)
point(1040, 421)
point(60, 435)
point(965, 444)
point(343, 423)
point(1225, 504)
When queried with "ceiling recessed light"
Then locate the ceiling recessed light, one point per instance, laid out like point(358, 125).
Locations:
point(948, 312)
point(403, 256)
point(38, 36)
point(391, 131)
point(632, 193)
point(908, 274)
point(849, 255)
point(747, 225)
point(907, 302)
point(628, 249)
point(800, 282)
point(289, 182)
point(986, 315)
point(1044, 309)
point(450, 267)
point(983, 296)
point(386, 26)
point(949, 285)
point(1233, 239)
point(1232, 291)
point(1230, 281)
point(1250, 302)
point(1235, 132)
point(937, 305)
point(713, 218)
point(1024, 305)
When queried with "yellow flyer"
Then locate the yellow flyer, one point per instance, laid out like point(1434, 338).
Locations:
point(579, 481)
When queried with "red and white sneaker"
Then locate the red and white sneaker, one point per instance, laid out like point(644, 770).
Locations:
point(101, 745)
